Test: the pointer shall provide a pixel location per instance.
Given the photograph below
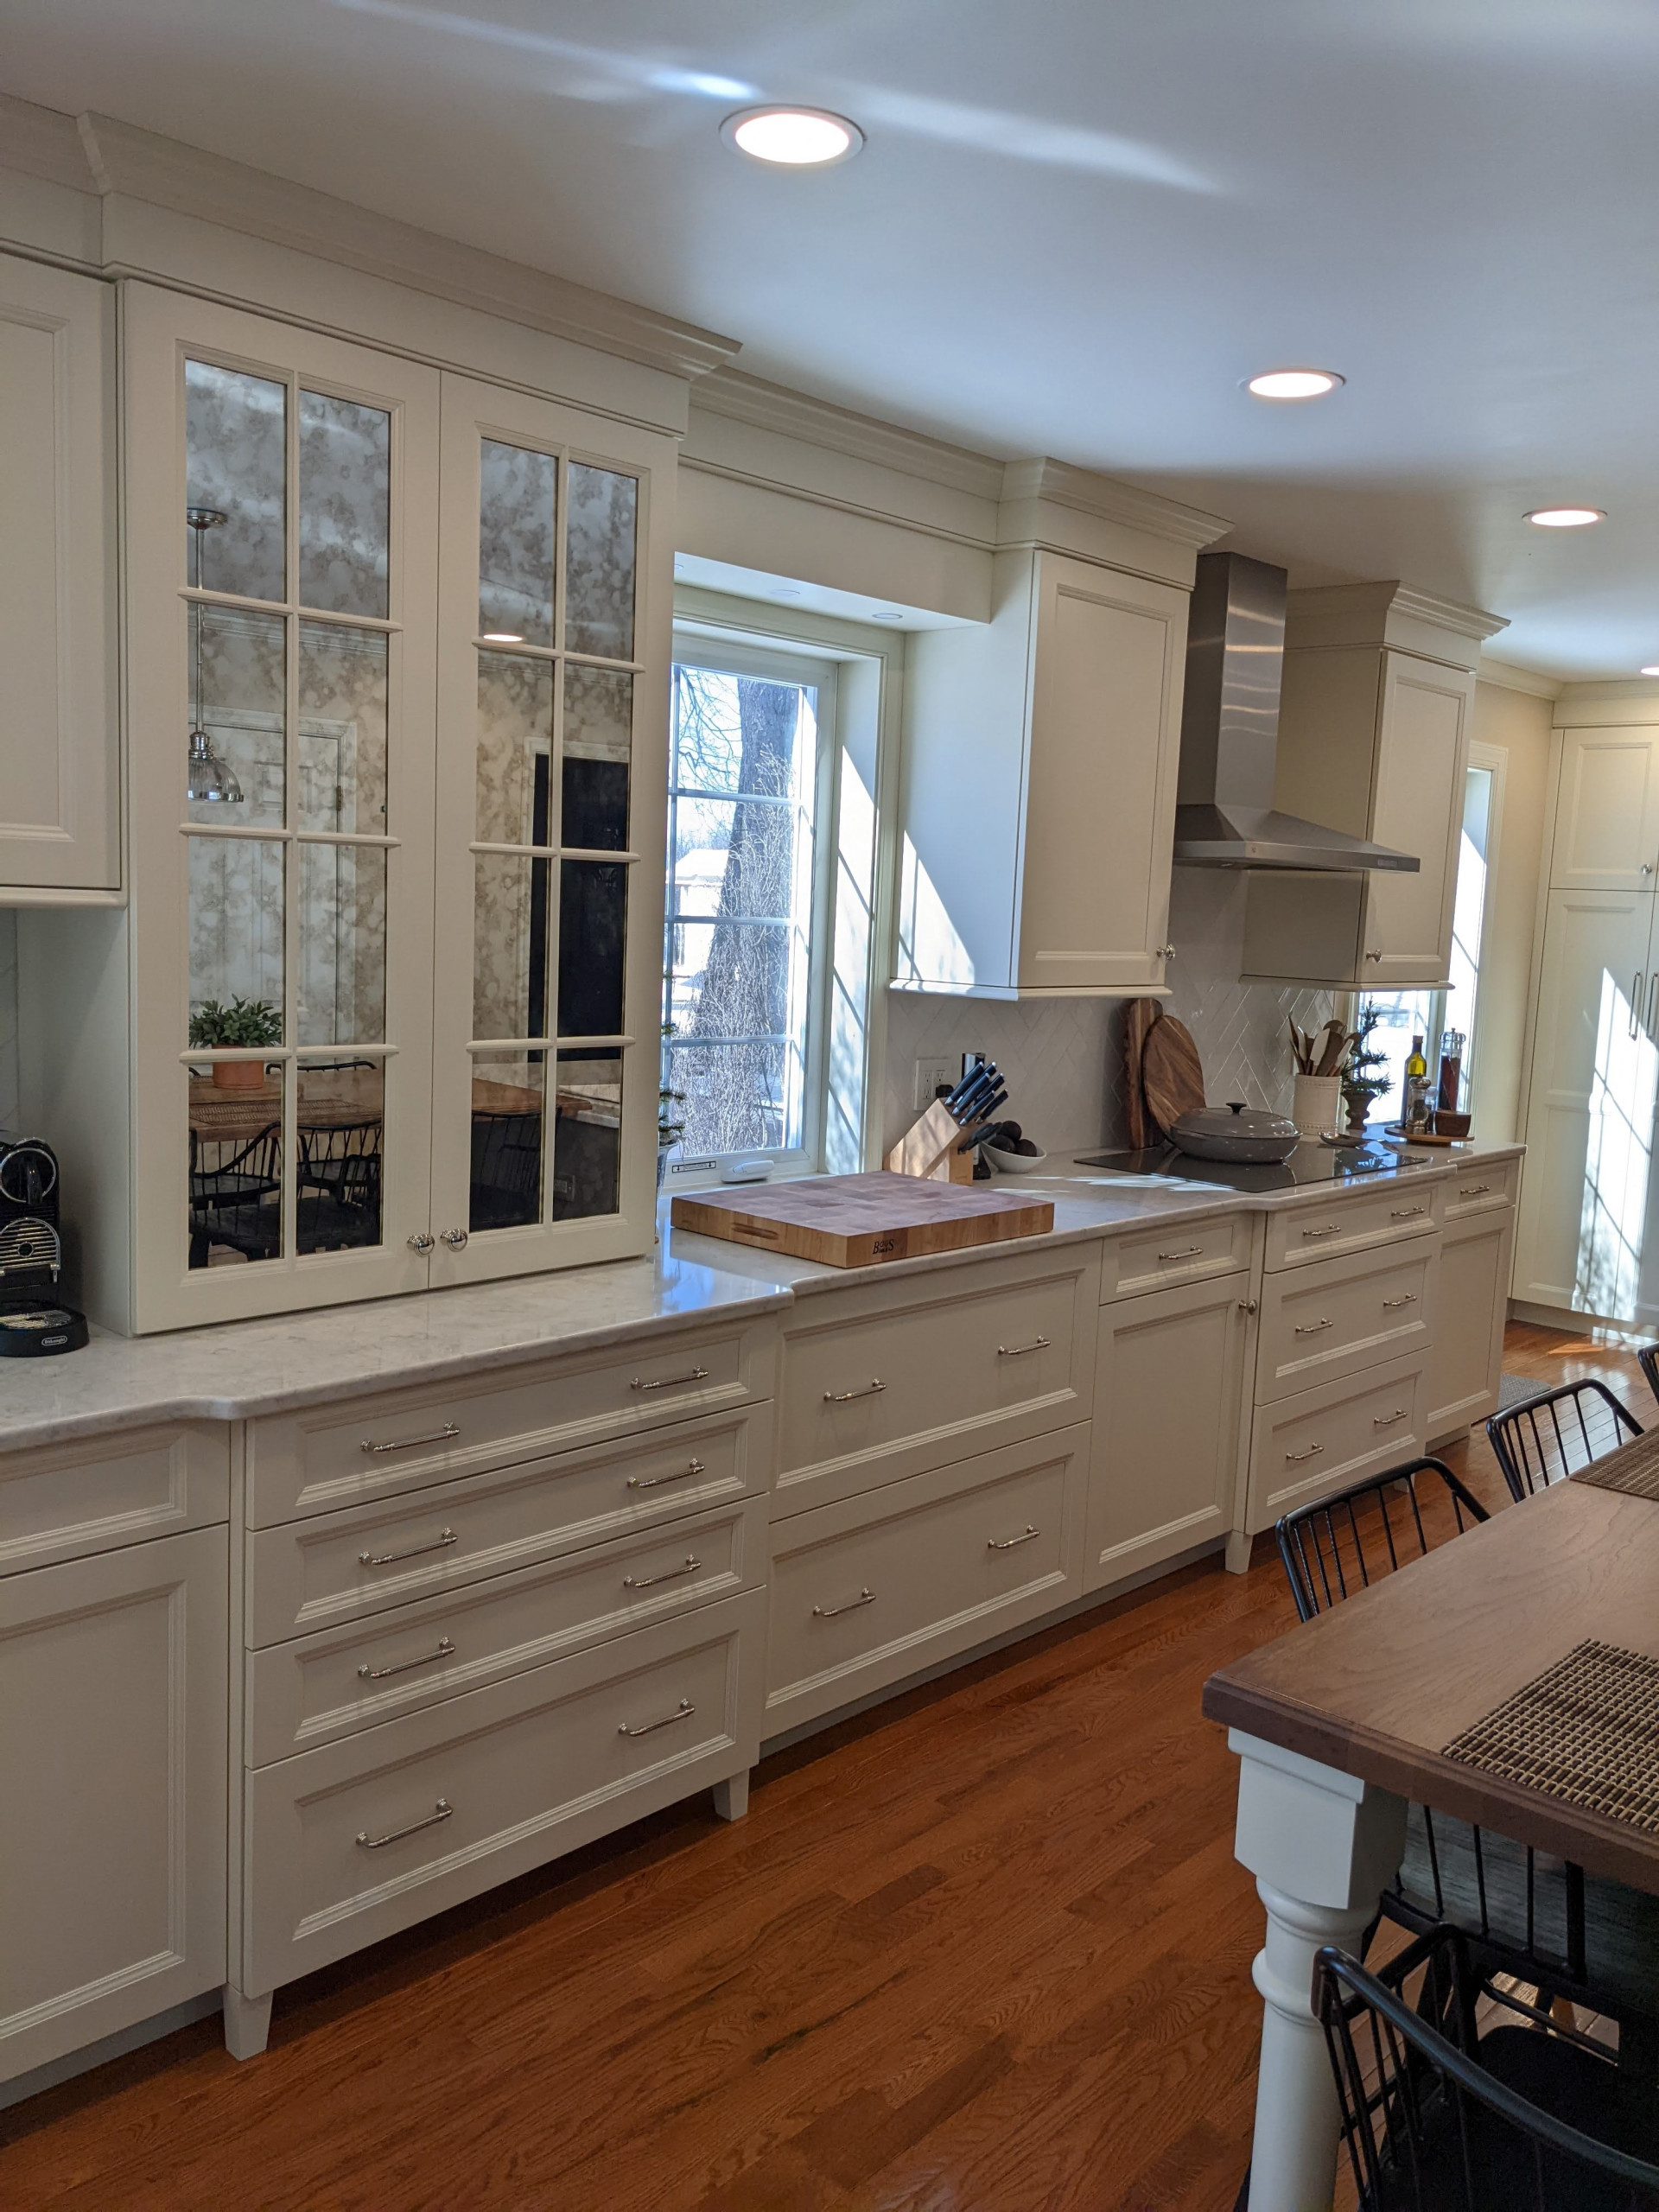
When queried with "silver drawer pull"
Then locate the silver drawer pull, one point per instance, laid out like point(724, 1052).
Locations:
point(693, 1565)
point(446, 1434)
point(672, 1381)
point(445, 1650)
point(1019, 1351)
point(656, 1482)
point(441, 1543)
point(1311, 1452)
point(1313, 1328)
point(1478, 1190)
point(829, 1613)
point(875, 1387)
point(1387, 1421)
point(1390, 1304)
point(1407, 1213)
point(683, 1712)
point(1010, 1543)
point(443, 1810)
point(1186, 1252)
point(1331, 1228)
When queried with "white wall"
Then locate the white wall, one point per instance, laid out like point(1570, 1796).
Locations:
point(1518, 725)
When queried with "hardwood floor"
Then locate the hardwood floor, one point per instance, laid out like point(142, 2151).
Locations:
point(984, 1950)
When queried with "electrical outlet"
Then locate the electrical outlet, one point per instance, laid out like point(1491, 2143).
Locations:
point(932, 1077)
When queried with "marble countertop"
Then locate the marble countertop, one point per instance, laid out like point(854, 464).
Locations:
point(245, 1368)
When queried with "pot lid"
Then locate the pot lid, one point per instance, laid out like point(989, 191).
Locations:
point(1234, 1119)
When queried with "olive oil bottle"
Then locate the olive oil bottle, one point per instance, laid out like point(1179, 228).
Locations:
point(1413, 1098)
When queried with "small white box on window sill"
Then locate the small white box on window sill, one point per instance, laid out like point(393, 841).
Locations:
point(745, 1170)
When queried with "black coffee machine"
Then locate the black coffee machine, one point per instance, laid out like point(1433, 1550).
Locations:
point(33, 1324)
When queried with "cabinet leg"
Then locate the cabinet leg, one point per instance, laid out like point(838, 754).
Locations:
point(732, 1798)
point(247, 2023)
point(1239, 1552)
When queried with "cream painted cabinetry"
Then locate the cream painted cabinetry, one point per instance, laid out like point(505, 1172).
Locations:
point(60, 741)
point(1467, 1361)
point(1607, 810)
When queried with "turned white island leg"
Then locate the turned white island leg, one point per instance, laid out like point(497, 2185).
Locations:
point(1321, 1844)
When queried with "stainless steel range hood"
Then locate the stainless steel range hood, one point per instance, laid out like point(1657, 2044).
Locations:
point(1224, 814)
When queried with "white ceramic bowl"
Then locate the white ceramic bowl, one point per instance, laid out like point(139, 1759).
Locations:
point(1016, 1163)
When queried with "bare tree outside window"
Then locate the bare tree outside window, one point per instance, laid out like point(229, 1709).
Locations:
point(743, 778)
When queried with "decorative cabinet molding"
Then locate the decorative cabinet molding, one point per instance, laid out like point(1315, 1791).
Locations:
point(60, 731)
point(1607, 811)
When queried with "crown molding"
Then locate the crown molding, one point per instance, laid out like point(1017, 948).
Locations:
point(1063, 486)
point(1448, 613)
point(118, 159)
point(1340, 607)
point(793, 414)
point(1509, 677)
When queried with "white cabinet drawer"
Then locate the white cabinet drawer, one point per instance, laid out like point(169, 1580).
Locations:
point(340, 1454)
point(354, 1840)
point(1354, 1220)
point(1341, 1315)
point(1304, 1447)
point(884, 1381)
point(1181, 1251)
point(1484, 1189)
point(869, 1589)
point(343, 1679)
point(63, 1501)
point(338, 1567)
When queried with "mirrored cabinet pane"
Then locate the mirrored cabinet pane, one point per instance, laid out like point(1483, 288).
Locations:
point(341, 947)
point(236, 1164)
point(509, 1096)
point(235, 941)
point(515, 745)
point(587, 1135)
point(599, 561)
point(509, 946)
point(598, 740)
point(339, 1128)
point(342, 747)
point(593, 918)
point(236, 748)
point(235, 429)
point(517, 543)
point(345, 468)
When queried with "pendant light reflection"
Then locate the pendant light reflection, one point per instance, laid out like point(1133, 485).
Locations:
point(207, 778)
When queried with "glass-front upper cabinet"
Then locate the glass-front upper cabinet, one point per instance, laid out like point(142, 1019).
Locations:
point(281, 548)
point(552, 706)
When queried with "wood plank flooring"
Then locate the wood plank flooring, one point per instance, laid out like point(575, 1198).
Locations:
point(984, 1950)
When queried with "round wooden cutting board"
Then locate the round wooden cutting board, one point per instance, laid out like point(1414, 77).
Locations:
point(1171, 1072)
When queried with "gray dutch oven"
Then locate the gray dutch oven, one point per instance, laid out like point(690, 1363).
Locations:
point(1233, 1132)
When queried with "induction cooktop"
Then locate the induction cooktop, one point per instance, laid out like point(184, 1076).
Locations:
point(1308, 1164)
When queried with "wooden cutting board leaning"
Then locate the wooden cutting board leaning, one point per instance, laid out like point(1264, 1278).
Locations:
point(862, 1221)
point(1172, 1074)
point(1138, 1020)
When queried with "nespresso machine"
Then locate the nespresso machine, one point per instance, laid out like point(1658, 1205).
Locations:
point(33, 1323)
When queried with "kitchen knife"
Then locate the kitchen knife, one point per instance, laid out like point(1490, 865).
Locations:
point(975, 1075)
point(968, 1107)
point(984, 1121)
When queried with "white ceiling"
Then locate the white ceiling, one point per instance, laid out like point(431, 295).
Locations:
point(1077, 226)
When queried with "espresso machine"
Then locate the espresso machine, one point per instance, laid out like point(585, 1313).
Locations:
point(34, 1323)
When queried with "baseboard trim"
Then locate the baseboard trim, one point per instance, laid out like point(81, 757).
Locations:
point(106, 2048)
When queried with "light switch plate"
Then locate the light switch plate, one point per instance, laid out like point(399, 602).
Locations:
point(932, 1077)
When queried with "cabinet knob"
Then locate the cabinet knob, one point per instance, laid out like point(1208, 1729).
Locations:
point(421, 1244)
point(1247, 1306)
point(1166, 951)
point(455, 1238)
point(1374, 955)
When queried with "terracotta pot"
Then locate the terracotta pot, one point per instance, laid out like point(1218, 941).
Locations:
point(238, 1075)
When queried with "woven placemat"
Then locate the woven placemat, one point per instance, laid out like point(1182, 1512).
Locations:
point(1633, 1468)
point(1587, 1731)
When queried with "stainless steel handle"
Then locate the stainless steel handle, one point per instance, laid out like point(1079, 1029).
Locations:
point(672, 1381)
point(1390, 1304)
point(455, 1238)
point(1407, 1213)
point(421, 1244)
point(1186, 1252)
point(845, 1397)
point(656, 1482)
point(1653, 985)
point(445, 1650)
point(1312, 1328)
point(1387, 1421)
point(683, 1712)
point(1010, 1543)
point(1247, 1306)
point(1635, 1001)
point(829, 1613)
point(693, 1564)
point(443, 1810)
point(1019, 1351)
point(1331, 1228)
point(1479, 1190)
point(442, 1543)
point(446, 1434)
point(1311, 1452)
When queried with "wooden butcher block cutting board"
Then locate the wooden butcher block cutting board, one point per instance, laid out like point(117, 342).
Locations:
point(1171, 1072)
point(862, 1221)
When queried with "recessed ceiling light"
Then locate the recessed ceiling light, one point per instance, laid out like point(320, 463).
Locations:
point(1294, 383)
point(786, 591)
point(504, 637)
point(1651, 669)
point(796, 138)
point(1566, 518)
point(888, 614)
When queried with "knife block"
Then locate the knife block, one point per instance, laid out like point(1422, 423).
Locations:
point(930, 1149)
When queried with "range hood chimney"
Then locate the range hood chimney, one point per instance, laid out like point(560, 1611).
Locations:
point(1224, 814)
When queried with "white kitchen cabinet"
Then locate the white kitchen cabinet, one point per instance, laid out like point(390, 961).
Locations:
point(1169, 1403)
point(113, 1746)
point(1379, 687)
point(1467, 1359)
point(1607, 810)
point(60, 732)
point(1040, 786)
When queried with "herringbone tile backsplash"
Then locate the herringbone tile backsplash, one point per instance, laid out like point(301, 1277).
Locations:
point(1063, 1058)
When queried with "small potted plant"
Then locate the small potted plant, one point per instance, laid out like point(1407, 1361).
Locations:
point(1361, 1084)
point(245, 1022)
point(668, 1130)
